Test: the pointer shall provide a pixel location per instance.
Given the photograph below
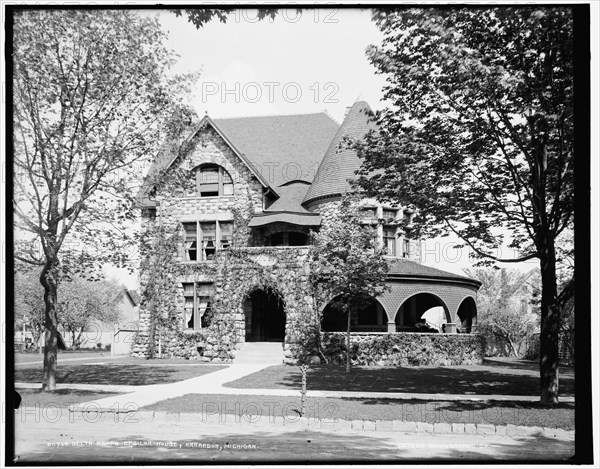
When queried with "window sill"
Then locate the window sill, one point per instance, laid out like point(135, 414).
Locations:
point(212, 197)
point(196, 262)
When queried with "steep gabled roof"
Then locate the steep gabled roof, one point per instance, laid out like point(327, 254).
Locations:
point(282, 148)
point(277, 149)
point(340, 162)
point(125, 292)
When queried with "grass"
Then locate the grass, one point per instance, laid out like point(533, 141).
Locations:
point(493, 377)
point(489, 412)
point(59, 398)
point(127, 371)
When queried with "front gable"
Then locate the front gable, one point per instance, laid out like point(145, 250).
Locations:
point(172, 175)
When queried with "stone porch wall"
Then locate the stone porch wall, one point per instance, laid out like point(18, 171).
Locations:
point(404, 349)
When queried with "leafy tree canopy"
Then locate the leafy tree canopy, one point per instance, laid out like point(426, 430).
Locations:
point(200, 16)
point(92, 95)
point(479, 131)
point(478, 135)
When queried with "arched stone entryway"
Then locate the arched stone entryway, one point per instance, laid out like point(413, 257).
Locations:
point(467, 314)
point(412, 311)
point(264, 316)
point(370, 318)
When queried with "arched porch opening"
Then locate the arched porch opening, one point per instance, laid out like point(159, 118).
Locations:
point(467, 313)
point(264, 315)
point(370, 318)
point(422, 312)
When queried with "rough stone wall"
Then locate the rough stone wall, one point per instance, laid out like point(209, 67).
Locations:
point(178, 203)
point(404, 349)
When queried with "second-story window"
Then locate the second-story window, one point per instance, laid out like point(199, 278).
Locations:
point(368, 212)
point(389, 240)
point(203, 239)
point(405, 248)
point(389, 213)
point(213, 181)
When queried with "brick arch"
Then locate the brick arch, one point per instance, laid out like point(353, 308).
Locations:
point(451, 294)
point(357, 327)
point(466, 313)
point(324, 304)
point(443, 304)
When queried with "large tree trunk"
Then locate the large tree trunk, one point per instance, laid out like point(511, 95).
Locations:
point(550, 327)
point(48, 279)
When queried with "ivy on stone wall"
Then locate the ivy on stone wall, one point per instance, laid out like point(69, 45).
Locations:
point(158, 296)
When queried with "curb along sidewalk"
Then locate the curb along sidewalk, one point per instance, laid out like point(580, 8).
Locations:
point(307, 423)
point(255, 424)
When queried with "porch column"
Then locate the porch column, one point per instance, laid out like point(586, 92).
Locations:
point(391, 326)
point(450, 328)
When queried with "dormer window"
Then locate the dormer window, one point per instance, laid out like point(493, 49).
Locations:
point(213, 181)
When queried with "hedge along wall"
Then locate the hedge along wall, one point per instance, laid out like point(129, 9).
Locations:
point(404, 349)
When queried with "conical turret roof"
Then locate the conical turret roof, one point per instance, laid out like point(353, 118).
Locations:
point(340, 162)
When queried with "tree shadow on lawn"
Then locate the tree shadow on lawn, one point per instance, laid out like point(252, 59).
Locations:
point(61, 397)
point(431, 380)
point(115, 374)
point(520, 364)
point(489, 412)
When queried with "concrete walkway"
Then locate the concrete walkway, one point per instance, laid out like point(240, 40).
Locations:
point(213, 383)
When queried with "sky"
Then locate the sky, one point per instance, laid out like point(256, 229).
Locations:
point(297, 63)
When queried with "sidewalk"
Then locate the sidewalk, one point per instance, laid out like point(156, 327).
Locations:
point(189, 437)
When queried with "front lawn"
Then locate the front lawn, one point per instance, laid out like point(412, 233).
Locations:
point(250, 408)
point(60, 398)
point(134, 372)
point(513, 378)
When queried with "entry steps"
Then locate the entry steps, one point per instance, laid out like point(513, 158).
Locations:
point(255, 353)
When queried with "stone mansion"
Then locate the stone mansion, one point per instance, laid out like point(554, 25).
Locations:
point(239, 198)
